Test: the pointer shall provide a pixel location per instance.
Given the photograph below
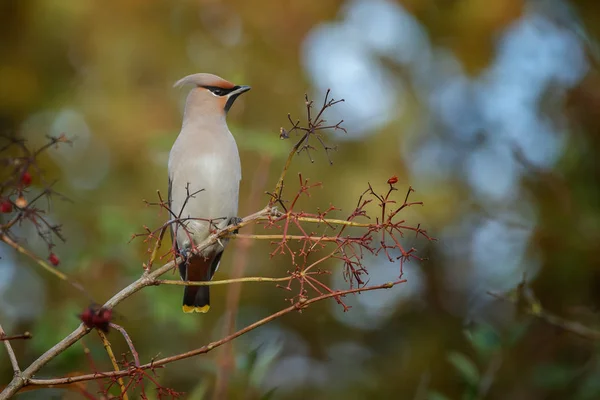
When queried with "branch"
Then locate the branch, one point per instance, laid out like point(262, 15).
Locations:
point(147, 279)
point(222, 281)
point(40, 262)
point(298, 306)
point(10, 351)
point(114, 362)
point(134, 353)
point(25, 335)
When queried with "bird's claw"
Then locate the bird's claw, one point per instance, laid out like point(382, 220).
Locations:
point(235, 221)
point(185, 254)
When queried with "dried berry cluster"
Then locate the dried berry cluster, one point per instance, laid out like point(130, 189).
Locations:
point(23, 190)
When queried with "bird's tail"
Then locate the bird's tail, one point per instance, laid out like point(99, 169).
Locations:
point(197, 298)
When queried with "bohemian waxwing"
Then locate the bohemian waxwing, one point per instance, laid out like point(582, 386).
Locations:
point(204, 164)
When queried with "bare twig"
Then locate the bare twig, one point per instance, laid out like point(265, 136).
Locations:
point(11, 353)
point(134, 353)
point(40, 262)
point(114, 362)
point(221, 281)
point(312, 128)
point(20, 336)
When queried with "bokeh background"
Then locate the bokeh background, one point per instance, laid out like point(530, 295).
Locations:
point(489, 109)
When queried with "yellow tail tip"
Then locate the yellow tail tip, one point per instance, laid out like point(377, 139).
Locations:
point(193, 309)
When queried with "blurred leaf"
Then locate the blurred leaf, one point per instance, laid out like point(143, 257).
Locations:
point(465, 366)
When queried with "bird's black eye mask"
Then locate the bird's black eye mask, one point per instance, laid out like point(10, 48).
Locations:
point(217, 91)
point(220, 91)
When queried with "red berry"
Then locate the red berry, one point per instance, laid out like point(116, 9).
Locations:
point(26, 178)
point(96, 318)
point(54, 260)
point(393, 180)
point(86, 316)
point(6, 206)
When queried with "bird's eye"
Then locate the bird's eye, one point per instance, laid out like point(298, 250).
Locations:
point(217, 91)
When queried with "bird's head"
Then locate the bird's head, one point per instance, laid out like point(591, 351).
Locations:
point(210, 94)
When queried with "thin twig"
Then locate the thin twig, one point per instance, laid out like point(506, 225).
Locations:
point(222, 281)
point(11, 353)
point(20, 336)
point(134, 353)
point(288, 237)
point(114, 362)
point(156, 247)
point(41, 262)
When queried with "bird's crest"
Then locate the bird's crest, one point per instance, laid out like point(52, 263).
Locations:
point(201, 80)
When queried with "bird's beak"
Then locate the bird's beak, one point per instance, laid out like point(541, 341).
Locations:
point(239, 90)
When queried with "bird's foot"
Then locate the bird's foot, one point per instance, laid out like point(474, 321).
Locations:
point(235, 221)
point(185, 253)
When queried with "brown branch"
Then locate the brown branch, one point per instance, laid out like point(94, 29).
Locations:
point(155, 249)
point(276, 195)
point(147, 279)
point(222, 281)
point(20, 336)
point(289, 237)
point(11, 352)
point(134, 353)
point(298, 306)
